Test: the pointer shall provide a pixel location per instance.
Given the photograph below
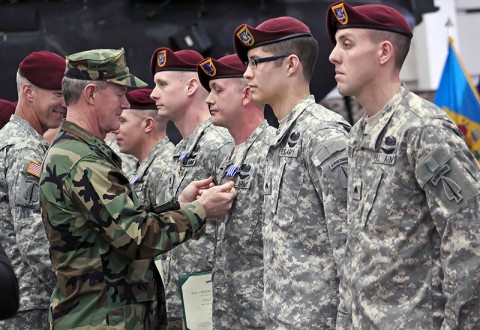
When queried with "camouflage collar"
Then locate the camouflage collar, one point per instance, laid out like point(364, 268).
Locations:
point(23, 125)
point(292, 117)
point(156, 150)
point(86, 136)
point(373, 140)
point(190, 142)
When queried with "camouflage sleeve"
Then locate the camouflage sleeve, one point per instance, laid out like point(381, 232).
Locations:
point(450, 178)
point(30, 233)
point(105, 198)
point(328, 168)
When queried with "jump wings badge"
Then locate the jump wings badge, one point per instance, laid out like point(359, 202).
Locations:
point(340, 13)
point(245, 36)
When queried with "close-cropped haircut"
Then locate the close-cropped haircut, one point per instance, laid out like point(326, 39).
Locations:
point(306, 48)
point(72, 88)
point(400, 42)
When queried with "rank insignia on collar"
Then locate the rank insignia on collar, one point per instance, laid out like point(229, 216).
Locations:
point(208, 67)
point(162, 58)
point(34, 168)
point(340, 13)
point(245, 36)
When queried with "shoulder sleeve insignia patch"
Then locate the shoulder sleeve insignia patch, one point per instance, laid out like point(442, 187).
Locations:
point(34, 168)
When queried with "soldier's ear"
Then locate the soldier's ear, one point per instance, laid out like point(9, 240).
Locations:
point(89, 93)
point(148, 124)
point(192, 86)
point(246, 95)
point(27, 91)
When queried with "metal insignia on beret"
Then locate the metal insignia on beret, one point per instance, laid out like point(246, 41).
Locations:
point(162, 58)
point(340, 13)
point(245, 36)
point(209, 68)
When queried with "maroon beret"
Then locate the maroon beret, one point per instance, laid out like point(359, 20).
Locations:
point(271, 31)
point(377, 17)
point(140, 99)
point(228, 66)
point(164, 59)
point(7, 109)
point(43, 69)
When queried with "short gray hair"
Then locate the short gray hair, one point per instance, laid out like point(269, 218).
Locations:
point(72, 88)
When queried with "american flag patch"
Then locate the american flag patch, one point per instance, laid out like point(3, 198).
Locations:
point(34, 168)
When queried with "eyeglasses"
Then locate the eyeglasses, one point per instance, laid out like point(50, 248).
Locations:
point(254, 62)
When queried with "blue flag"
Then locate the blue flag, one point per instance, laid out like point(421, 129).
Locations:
point(458, 96)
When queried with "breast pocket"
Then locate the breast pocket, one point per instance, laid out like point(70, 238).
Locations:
point(370, 195)
point(288, 189)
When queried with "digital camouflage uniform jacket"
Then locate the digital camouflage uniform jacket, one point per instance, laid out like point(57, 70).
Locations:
point(412, 258)
point(238, 267)
point(196, 157)
point(129, 162)
point(21, 229)
point(305, 218)
point(150, 180)
point(102, 241)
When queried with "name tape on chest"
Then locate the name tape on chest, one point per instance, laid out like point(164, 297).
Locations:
point(289, 152)
point(380, 158)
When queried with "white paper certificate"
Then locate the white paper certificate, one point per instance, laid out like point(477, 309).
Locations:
point(197, 300)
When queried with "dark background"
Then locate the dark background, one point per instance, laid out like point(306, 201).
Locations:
point(66, 27)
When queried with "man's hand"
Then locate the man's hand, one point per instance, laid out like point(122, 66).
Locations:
point(194, 190)
point(218, 200)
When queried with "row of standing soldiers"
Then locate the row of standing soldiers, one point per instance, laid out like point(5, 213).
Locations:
point(313, 225)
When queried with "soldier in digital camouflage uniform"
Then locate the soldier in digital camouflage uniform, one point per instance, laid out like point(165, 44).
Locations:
point(412, 258)
point(305, 186)
point(101, 240)
point(238, 267)
point(129, 162)
point(180, 97)
point(22, 149)
point(142, 134)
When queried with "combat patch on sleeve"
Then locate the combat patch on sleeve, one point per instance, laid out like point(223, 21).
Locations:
point(442, 177)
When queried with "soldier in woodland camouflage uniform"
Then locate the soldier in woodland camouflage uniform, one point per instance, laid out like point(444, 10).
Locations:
point(305, 186)
point(101, 240)
point(238, 267)
point(142, 134)
point(22, 148)
point(412, 258)
point(180, 97)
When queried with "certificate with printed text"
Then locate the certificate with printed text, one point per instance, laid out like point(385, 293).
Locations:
point(197, 298)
